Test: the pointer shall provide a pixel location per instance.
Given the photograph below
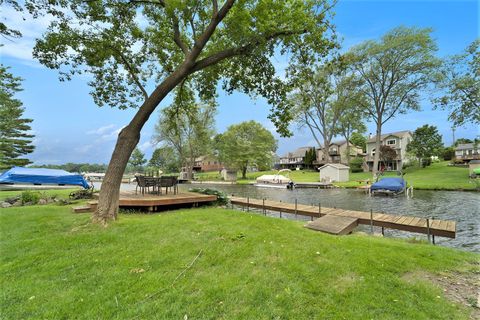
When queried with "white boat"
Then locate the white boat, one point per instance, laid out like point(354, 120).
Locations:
point(275, 181)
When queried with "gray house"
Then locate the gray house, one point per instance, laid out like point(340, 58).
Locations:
point(466, 152)
point(294, 160)
point(396, 140)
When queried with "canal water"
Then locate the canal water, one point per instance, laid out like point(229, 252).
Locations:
point(462, 207)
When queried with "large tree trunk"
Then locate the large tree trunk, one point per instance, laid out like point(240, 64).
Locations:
point(378, 143)
point(244, 172)
point(348, 152)
point(109, 192)
point(127, 140)
point(326, 149)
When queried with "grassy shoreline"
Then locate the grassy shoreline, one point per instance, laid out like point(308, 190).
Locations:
point(438, 176)
point(215, 263)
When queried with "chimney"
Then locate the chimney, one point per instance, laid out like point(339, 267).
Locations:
point(370, 135)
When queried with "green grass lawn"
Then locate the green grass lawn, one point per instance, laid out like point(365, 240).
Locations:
point(438, 176)
point(60, 193)
point(213, 264)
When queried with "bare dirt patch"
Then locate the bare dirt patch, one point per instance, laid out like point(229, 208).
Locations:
point(459, 287)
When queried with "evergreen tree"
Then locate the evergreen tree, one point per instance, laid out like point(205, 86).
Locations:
point(15, 141)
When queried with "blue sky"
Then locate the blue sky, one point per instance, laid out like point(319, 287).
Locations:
point(69, 127)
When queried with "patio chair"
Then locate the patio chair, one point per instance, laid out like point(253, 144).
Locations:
point(145, 183)
point(141, 183)
point(168, 182)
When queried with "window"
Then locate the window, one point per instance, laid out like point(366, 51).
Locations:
point(392, 141)
point(373, 152)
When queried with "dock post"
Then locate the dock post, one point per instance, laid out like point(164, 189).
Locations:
point(248, 204)
point(371, 221)
point(383, 231)
point(428, 230)
point(433, 236)
point(319, 209)
point(280, 211)
point(295, 208)
point(263, 207)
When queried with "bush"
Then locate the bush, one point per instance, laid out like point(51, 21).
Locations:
point(356, 165)
point(222, 198)
point(29, 197)
point(426, 162)
point(448, 153)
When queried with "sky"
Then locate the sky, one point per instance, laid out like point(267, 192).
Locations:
point(69, 127)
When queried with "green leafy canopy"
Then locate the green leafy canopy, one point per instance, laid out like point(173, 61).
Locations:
point(130, 46)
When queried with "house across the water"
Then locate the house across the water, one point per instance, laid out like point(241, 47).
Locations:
point(396, 140)
point(467, 152)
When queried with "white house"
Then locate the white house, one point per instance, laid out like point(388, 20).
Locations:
point(334, 172)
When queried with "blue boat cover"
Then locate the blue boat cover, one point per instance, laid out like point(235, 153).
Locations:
point(42, 176)
point(391, 184)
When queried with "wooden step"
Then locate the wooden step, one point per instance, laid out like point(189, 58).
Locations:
point(338, 225)
point(82, 209)
point(93, 205)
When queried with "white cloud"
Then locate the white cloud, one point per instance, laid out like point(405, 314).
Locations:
point(29, 27)
point(145, 146)
point(101, 130)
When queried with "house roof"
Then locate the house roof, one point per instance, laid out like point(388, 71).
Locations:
point(299, 153)
point(338, 143)
point(399, 134)
point(335, 165)
point(464, 146)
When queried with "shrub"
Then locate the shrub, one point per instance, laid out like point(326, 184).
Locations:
point(29, 197)
point(356, 165)
point(426, 162)
point(448, 153)
point(222, 198)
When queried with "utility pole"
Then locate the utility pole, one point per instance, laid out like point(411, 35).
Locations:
point(453, 135)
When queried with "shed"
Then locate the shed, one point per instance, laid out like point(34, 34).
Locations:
point(228, 175)
point(334, 172)
point(472, 165)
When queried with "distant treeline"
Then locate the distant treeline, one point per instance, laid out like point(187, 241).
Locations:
point(75, 167)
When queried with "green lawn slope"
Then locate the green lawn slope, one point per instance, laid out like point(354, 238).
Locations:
point(212, 264)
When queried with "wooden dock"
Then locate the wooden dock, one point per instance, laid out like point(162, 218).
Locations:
point(153, 202)
point(442, 228)
point(313, 185)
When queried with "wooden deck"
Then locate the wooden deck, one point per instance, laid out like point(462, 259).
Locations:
point(130, 199)
point(442, 228)
point(152, 202)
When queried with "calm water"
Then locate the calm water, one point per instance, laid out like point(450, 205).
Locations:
point(463, 207)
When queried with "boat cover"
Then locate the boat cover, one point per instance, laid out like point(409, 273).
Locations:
point(20, 175)
point(273, 178)
point(476, 170)
point(391, 184)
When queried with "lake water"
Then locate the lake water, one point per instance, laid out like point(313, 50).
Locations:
point(462, 207)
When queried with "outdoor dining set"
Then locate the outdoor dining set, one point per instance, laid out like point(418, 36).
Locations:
point(154, 185)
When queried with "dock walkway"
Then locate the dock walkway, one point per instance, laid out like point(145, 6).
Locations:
point(441, 228)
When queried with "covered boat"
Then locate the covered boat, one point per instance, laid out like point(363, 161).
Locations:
point(19, 178)
point(389, 186)
point(275, 181)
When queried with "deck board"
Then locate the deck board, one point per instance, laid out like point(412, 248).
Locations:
point(130, 199)
point(332, 224)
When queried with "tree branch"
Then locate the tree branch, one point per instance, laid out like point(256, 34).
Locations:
point(176, 35)
point(231, 52)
